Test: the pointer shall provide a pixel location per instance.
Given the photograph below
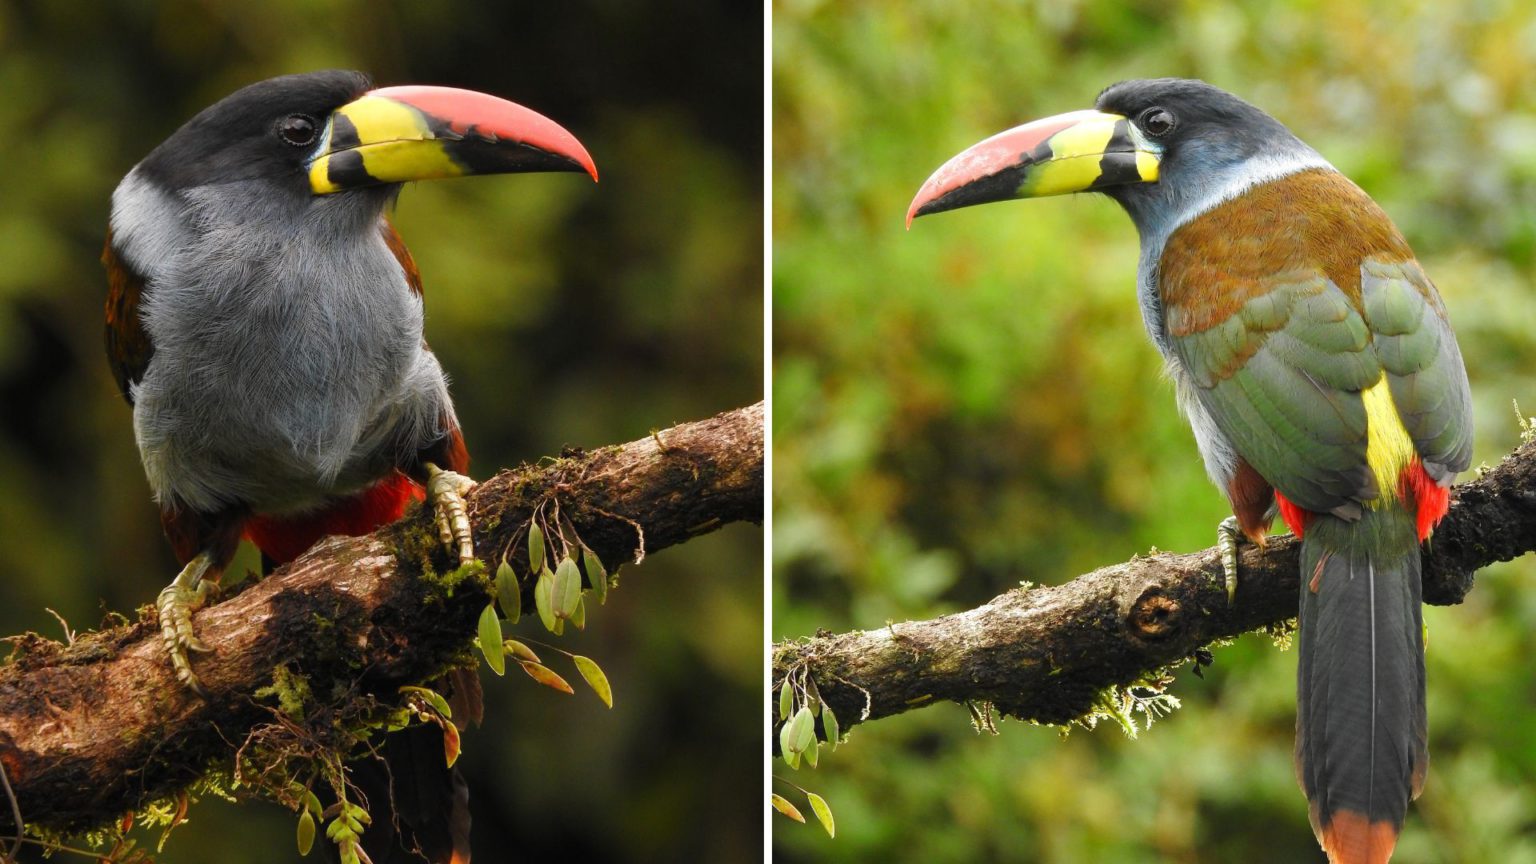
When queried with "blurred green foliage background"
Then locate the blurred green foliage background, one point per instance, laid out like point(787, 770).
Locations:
point(566, 313)
point(975, 403)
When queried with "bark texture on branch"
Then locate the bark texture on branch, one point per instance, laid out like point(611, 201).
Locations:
point(1047, 654)
point(100, 727)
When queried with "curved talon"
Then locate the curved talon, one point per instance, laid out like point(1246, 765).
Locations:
point(447, 490)
point(176, 603)
point(1228, 535)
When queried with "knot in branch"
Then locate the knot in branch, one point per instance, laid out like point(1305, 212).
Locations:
point(1155, 616)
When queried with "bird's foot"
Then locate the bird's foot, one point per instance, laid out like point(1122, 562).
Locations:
point(447, 490)
point(177, 601)
point(1228, 535)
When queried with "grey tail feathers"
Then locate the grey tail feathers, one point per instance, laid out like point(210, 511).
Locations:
point(1361, 730)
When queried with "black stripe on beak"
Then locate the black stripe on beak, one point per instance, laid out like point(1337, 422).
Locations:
point(1118, 166)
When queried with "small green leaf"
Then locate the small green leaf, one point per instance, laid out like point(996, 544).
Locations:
point(596, 574)
point(535, 546)
point(546, 676)
point(542, 593)
point(786, 746)
point(519, 651)
point(490, 640)
point(786, 699)
point(802, 730)
point(812, 752)
point(595, 678)
point(312, 802)
point(567, 590)
point(829, 725)
point(781, 804)
point(306, 836)
point(579, 617)
point(823, 813)
point(509, 592)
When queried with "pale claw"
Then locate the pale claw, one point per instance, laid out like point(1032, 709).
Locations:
point(447, 489)
point(176, 604)
point(1228, 535)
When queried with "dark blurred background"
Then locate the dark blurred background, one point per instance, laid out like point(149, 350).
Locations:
point(566, 313)
point(975, 403)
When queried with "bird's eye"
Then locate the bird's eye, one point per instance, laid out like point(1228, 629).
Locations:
point(1157, 122)
point(297, 129)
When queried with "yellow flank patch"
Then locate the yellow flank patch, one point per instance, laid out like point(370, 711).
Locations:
point(1388, 449)
point(1076, 153)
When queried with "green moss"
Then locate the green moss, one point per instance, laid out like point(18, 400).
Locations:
point(292, 692)
point(444, 584)
point(1147, 695)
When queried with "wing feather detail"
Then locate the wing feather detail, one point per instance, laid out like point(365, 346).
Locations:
point(1280, 340)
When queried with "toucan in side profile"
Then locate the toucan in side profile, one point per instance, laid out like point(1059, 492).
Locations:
point(1316, 363)
point(264, 319)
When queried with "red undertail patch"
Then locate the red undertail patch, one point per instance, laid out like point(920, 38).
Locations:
point(285, 538)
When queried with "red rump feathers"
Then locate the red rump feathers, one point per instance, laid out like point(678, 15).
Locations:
point(1295, 517)
point(1432, 499)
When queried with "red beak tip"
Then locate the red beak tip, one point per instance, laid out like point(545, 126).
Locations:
point(917, 204)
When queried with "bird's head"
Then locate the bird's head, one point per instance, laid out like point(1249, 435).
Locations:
point(1162, 147)
point(328, 139)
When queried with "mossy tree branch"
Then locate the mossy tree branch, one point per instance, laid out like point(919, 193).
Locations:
point(1048, 654)
point(100, 727)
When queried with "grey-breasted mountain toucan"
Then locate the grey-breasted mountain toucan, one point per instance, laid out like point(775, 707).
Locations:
point(1316, 363)
point(264, 320)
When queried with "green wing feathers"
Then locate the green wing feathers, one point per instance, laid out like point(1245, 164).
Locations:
point(1281, 379)
point(1415, 345)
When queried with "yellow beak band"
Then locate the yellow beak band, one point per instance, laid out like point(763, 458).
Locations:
point(1097, 151)
point(388, 141)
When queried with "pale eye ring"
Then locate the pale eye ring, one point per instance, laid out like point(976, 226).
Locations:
point(1157, 122)
point(297, 129)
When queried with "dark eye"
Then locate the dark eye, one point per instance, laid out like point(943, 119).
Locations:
point(1157, 122)
point(297, 129)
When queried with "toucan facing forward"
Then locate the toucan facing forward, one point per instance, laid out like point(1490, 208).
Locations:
point(1316, 363)
point(264, 320)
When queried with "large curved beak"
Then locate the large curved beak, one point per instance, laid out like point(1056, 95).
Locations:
point(1076, 152)
point(398, 134)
